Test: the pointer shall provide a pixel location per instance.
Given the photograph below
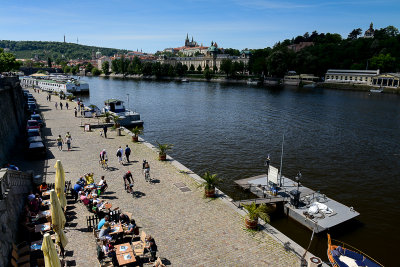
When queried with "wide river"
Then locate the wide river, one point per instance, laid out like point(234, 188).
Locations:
point(346, 144)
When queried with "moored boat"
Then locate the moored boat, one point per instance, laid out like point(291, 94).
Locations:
point(379, 90)
point(343, 255)
point(126, 117)
point(50, 83)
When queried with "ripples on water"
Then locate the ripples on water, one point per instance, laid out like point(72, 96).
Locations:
point(346, 145)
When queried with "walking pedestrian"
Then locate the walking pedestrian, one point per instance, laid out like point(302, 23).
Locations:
point(61, 105)
point(120, 152)
point(68, 140)
point(56, 105)
point(75, 111)
point(105, 131)
point(127, 153)
point(47, 98)
point(66, 105)
point(50, 97)
point(79, 106)
point(60, 142)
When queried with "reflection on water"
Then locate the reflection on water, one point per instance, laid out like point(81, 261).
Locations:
point(346, 145)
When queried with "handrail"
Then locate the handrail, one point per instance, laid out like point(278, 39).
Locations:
point(357, 250)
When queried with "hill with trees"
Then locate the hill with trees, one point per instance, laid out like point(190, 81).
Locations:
point(330, 51)
point(55, 50)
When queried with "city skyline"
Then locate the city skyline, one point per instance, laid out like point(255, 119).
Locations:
point(155, 25)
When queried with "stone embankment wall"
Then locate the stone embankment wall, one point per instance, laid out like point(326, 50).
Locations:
point(12, 116)
point(14, 186)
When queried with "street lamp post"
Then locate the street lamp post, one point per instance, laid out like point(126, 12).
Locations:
point(266, 164)
point(298, 177)
point(128, 100)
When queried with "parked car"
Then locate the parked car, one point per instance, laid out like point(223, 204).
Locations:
point(36, 150)
point(33, 132)
point(38, 118)
point(33, 139)
point(31, 99)
point(32, 107)
point(31, 124)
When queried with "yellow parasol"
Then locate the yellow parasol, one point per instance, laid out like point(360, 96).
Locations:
point(57, 219)
point(49, 251)
point(60, 183)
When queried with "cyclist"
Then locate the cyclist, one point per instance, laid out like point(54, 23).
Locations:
point(128, 181)
point(146, 169)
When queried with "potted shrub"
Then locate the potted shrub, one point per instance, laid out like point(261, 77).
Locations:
point(211, 180)
point(162, 150)
point(116, 120)
point(107, 116)
point(136, 132)
point(255, 212)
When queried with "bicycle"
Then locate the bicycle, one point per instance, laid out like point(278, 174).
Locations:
point(103, 164)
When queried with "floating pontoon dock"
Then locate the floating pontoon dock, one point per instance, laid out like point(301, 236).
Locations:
point(319, 222)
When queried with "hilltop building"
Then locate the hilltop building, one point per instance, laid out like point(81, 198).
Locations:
point(370, 32)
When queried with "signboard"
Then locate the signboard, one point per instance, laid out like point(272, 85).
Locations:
point(87, 127)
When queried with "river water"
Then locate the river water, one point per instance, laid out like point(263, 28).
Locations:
point(346, 144)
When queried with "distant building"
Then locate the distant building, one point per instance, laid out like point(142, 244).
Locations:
point(386, 80)
point(101, 60)
point(98, 54)
point(297, 47)
point(370, 32)
point(210, 59)
point(350, 76)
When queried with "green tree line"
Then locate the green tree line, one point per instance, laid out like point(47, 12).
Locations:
point(55, 50)
point(330, 51)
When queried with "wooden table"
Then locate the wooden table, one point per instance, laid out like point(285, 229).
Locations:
point(46, 203)
point(37, 245)
point(46, 193)
point(42, 227)
point(123, 248)
point(116, 229)
point(126, 258)
point(44, 213)
point(138, 248)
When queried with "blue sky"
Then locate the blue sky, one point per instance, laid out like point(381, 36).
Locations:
point(156, 24)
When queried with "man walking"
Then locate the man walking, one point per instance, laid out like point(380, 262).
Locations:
point(61, 105)
point(127, 153)
point(66, 105)
point(105, 131)
point(75, 111)
point(120, 152)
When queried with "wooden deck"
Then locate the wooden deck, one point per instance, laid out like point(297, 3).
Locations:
point(320, 222)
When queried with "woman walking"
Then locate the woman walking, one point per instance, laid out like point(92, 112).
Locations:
point(60, 142)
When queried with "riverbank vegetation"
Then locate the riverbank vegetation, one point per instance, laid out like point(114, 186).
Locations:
point(55, 50)
point(330, 51)
point(8, 62)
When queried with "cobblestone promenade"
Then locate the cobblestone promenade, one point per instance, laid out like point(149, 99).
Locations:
point(189, 229)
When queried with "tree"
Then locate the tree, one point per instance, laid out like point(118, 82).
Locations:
point(89, 67)
point(191, 67)
point(123, 64)
point(226, 66)
point(67, 69)
point(115, 66)
point(207, 74)
point(354, 34)
point(383, 62)
point(8, 61)
point(49, 62)
point(147, 68)
point(215, 68)
point(75, 69)
point(105, 66)
point(199, 69)
point(95, 71)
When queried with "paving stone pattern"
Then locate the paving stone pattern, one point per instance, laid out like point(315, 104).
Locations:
point(189, 229)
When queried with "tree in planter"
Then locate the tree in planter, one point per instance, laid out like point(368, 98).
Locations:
point(116, 120)
point(254, 213)
point(199, 69)
point(107, 116)
point(191, 68)
point(211, 180)
point(136, 131)
point(162, 150)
